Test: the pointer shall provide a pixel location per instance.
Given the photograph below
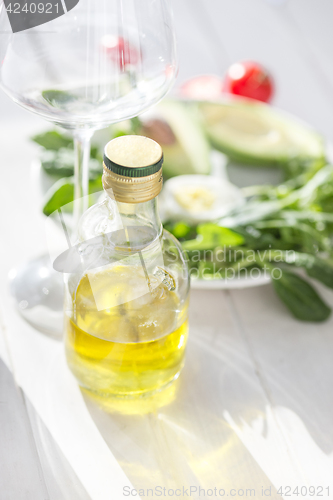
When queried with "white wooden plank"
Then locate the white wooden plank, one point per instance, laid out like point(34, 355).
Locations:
point(18, 454)
point(198, 51)
point(313, 27)
point(294, 361)
point(21, 472)
point(60, 479)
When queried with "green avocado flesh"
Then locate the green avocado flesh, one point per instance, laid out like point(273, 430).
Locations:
point(190, 153)
point(257, 134)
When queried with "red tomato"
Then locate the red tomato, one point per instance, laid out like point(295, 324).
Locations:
point(249, 79)
point(120, 50)
point(203, 87)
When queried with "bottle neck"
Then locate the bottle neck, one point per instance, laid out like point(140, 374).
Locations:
point(141, 214)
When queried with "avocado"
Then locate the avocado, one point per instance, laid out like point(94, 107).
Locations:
point(177, 128)
point(254, 133)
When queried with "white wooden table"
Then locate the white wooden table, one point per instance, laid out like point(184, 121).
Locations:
point(254, 407)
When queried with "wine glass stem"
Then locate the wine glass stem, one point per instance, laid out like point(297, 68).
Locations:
point(82, 140)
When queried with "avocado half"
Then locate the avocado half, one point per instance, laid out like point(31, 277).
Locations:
point(254, 133)
point(187, 150)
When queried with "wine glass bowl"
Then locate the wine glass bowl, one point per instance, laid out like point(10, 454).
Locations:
point(100, 63)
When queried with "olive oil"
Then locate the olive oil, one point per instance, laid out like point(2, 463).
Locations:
point(133, 347)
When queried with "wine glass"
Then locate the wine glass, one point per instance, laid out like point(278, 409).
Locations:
point(99, 63)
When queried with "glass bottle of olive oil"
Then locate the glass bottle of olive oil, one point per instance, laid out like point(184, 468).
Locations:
point(126, 305)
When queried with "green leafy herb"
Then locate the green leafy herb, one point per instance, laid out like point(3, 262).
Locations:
point(62, 193)
point(320, 270)
point(61, 164)
point(53, 140)
point(301, 298)
point(58, 98)
point(181, 230)
point(211, 235)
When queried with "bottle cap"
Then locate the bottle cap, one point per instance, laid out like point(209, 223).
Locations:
point(133, 169)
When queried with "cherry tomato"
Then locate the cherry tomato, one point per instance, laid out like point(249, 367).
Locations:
point(249, 79)
point(121, 51)
point(203, 87)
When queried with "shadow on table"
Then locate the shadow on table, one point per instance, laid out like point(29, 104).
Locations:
point(188, 441)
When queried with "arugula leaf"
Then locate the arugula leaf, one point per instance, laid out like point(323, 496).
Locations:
point(256, 239)
point(301, 298)
point(300, 233)
point(53, 140)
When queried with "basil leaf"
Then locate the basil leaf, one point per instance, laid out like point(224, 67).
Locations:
point(301, 298)
point(53, 140)
point(59, 98)
point(62, 193)
point(181, 230)
point(321, 271)
point(58, 163)
point(61, 164)
point(315, 267)
point(211, 236)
